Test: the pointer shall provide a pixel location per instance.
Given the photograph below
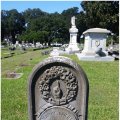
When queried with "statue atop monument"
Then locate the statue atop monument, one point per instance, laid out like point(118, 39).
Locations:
point(72, 47)
point(73, 20)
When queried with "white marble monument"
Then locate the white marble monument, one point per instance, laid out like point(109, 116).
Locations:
point(95, 45)
point(72, 47)
point(55, 52)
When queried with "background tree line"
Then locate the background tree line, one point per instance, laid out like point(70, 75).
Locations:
point(37, 25)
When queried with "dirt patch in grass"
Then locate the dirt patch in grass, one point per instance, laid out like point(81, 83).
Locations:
point(13, 75)
point(23, 64)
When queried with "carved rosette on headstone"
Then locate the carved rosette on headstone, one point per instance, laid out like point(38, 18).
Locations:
point(58, 90)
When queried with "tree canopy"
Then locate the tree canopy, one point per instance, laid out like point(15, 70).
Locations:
point(37, 25)
point(102, 14)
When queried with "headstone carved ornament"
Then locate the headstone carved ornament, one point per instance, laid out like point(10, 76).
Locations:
point(59, 74)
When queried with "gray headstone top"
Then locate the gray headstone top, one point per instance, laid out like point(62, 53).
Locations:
point(58, 90)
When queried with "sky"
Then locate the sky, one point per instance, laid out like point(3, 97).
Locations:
point(46, 6)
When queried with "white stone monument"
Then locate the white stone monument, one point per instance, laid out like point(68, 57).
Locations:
point(55, 52)
point(95, 45)
point(72, 47)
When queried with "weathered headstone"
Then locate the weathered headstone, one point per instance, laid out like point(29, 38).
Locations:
point(58, 90)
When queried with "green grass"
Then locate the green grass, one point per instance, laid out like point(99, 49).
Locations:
point(103, 87)
point(5, 53)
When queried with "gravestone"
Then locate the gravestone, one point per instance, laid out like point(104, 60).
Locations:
point(58, 90)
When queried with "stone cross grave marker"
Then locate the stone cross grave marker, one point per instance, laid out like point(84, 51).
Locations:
point(58, 90)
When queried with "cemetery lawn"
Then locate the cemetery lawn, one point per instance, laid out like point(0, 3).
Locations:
point(103, 86)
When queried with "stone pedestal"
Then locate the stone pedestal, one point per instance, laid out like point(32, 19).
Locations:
point(94, 58)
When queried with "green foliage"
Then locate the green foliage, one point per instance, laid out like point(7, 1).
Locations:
point(4, 43)
point(102, 14)
point(12, 23)
point(59, 40)
point(71, 11)
point(112, 39)
point(81, 23)
point(30, 14)
point(56, 27)
point(39, 36)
